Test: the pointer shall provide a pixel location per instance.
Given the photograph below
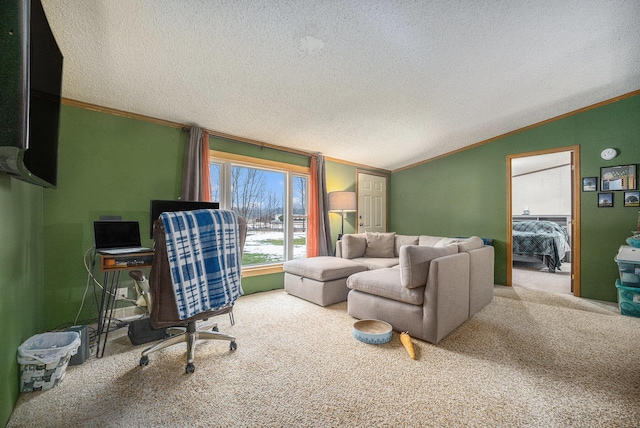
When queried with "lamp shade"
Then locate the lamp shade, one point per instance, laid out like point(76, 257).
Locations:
point(342, 201)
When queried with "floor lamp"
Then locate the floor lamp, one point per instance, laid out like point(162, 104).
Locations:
point(342, 202)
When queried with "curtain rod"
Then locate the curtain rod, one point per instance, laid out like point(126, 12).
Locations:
point(260, 143)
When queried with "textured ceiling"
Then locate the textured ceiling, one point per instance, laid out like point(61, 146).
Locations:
point(380, 83)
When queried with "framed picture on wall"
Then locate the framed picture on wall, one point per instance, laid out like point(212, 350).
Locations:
point(632, 199)
point(589, 184)
point(605, 200)
point(621, 177)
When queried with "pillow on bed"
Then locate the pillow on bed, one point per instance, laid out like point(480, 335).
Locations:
point(380, 244)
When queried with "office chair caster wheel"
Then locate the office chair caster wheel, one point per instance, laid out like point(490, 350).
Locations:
point(144, 361)
point(233, 346)
point(190, 368)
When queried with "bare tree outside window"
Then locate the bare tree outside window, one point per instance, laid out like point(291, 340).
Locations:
point(300, 195)
point(248, 188)
point(273, 206)
point(300, 217)
point(214, 171)
point(259, 195)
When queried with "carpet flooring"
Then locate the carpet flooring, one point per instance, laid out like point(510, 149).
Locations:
point(529, 359)
point(537, 277)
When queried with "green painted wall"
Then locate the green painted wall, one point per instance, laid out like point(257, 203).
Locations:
point(112, 165)
point(256, 284)
point(108, 165)
point(341, 177)
point(465, 193)
point(344, 177)
point(21, 280)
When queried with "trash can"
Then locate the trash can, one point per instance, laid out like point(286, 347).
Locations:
point(43, 359)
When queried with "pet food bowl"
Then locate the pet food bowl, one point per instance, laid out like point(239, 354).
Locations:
point(634, 242)
point(373, 332)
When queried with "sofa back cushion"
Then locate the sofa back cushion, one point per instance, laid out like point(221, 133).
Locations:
point(353, 245)
point(447, 241)
point(415, 261)
point(405, 240)
point(472, 243)
point(429, 241)
point(380, 244)
point(463, 244)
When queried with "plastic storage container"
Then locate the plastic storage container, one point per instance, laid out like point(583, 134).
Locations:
point(43, 359)
point(628, 300)
point(628, 259)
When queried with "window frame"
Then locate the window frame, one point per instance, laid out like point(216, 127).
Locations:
point(226, 161)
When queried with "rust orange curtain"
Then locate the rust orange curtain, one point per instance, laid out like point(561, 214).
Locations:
point(313, 216)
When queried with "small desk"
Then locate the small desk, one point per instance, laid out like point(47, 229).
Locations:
point(111, 266)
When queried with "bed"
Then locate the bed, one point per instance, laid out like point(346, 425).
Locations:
point(543, 241)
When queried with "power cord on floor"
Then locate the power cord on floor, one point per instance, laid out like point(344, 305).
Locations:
point(90, 277)
point(89, 267)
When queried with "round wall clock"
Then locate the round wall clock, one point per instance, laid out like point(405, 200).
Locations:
point(608, 154)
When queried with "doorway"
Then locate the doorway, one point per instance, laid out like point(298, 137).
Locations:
point(543, 218)
point(372, 203)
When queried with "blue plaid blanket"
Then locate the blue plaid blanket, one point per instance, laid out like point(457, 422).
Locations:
point(203, 247)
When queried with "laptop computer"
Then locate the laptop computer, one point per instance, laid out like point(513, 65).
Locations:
point(118, 237)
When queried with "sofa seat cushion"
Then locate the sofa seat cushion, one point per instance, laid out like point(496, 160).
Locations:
point(386, 283)
point(323, 268)
point(378, 262)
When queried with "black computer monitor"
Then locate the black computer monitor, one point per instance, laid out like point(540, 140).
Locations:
point(164, 206)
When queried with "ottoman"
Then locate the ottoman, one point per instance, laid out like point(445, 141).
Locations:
point(321, 280)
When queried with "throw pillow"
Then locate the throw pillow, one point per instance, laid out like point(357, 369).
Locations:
point(404, 240)
point(380, 244)
point(353, 246)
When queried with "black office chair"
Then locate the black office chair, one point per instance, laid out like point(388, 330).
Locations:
point(163, 309)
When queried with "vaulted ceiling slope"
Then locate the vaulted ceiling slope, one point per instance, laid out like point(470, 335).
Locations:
point(380, 83)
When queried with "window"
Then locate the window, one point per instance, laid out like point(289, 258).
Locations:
point(272, 197)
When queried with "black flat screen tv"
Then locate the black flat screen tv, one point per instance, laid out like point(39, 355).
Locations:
point(30, 93)
point(167, 206)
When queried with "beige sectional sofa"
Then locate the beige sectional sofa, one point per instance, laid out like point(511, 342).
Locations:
point(425, 285)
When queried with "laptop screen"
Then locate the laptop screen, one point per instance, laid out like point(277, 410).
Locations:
point(116, 234)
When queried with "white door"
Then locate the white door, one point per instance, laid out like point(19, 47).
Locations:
point(372, 203)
